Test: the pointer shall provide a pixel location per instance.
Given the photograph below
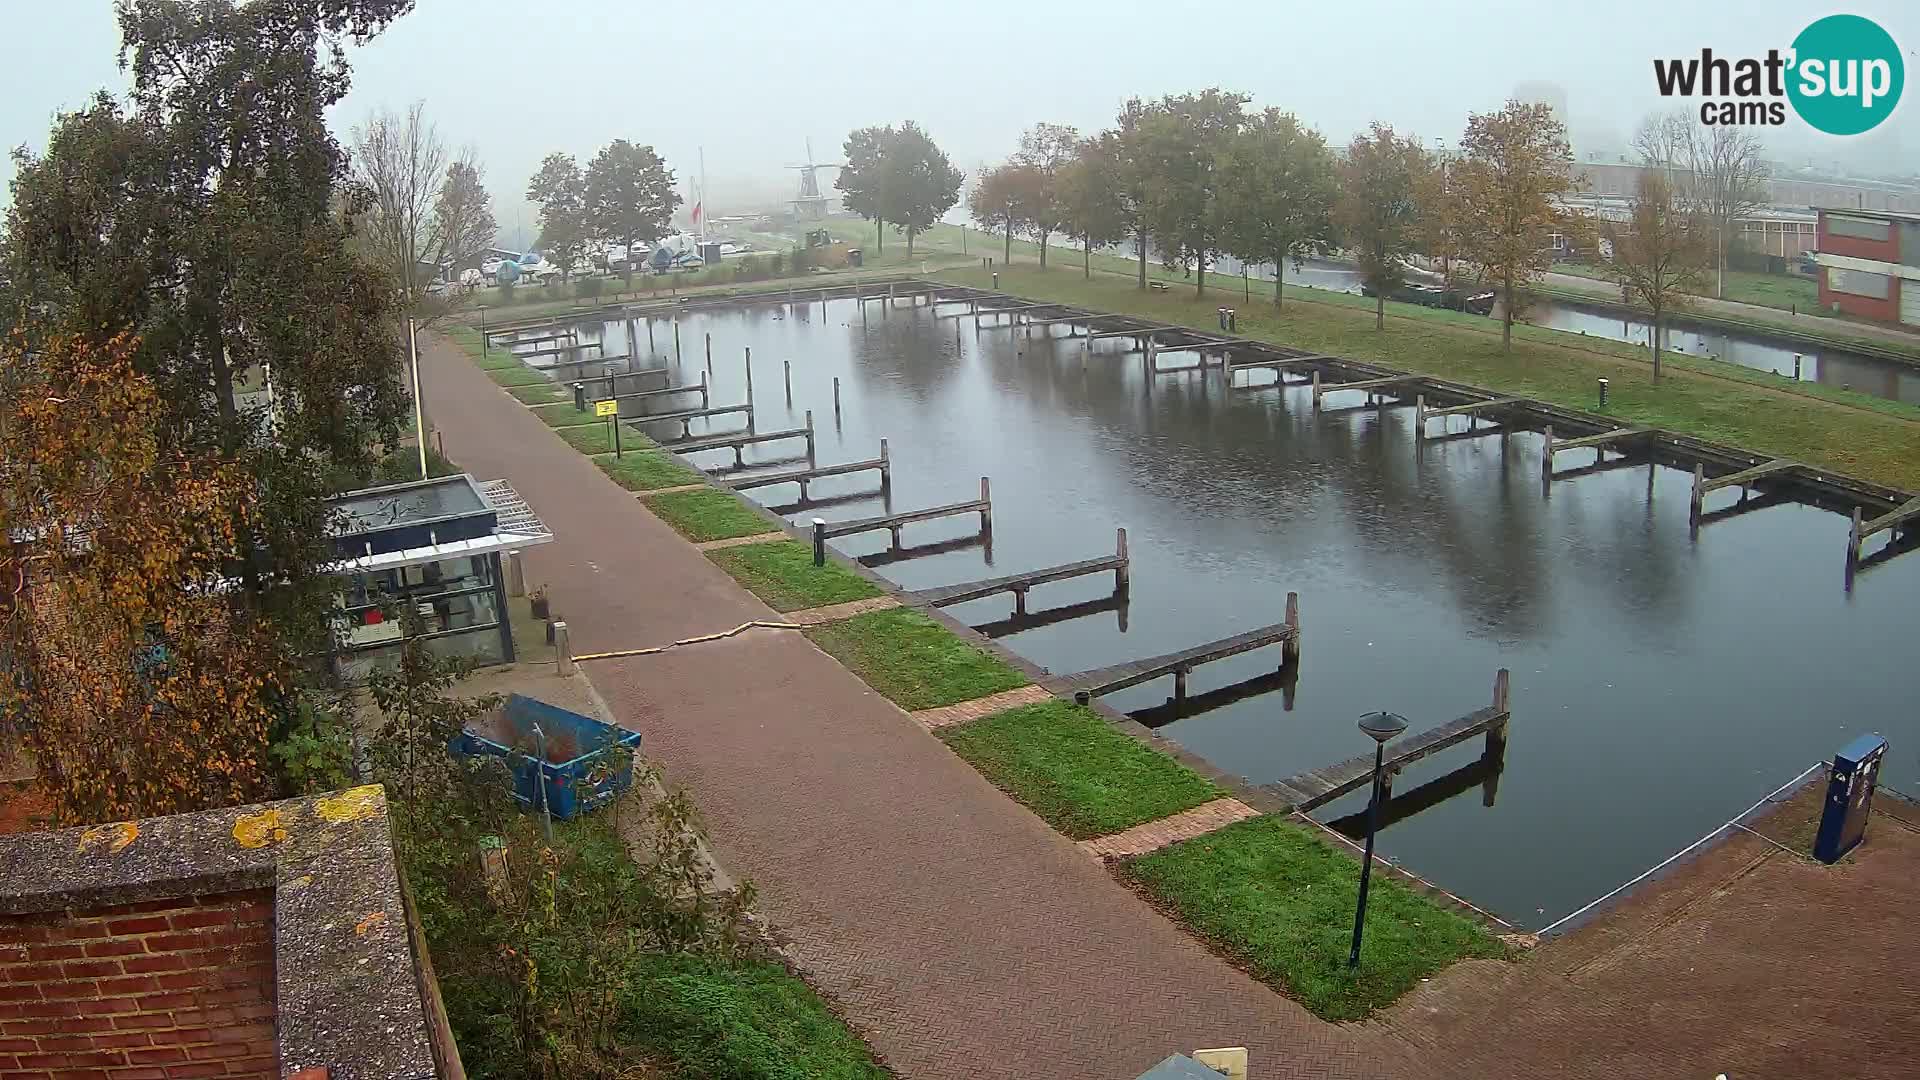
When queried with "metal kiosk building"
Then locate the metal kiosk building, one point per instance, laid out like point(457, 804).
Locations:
point(435, 544)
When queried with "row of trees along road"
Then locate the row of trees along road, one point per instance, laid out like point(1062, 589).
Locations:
point(625, 196)
point(897, 176)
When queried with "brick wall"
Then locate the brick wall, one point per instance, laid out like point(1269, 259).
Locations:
point(158, 990)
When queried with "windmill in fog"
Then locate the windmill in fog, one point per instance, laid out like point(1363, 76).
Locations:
point(811, 205)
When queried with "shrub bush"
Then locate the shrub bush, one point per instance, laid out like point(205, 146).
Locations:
point(587, 288)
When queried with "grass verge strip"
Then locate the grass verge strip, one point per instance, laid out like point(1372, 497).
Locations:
point(518, 376)
point(706, 515)
point(598, 438)
point(1279, 901)
point(781, 572)
point(562, 414)
point(646, 471)
point(914, 661)
point(533, 394)
point(1066, 764)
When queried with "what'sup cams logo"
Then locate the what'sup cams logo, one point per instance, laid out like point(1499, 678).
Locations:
point(1843, 76)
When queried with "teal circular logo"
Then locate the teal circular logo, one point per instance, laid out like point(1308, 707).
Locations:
point(1847, 75)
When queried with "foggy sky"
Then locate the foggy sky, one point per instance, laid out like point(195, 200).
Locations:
point(750, 82)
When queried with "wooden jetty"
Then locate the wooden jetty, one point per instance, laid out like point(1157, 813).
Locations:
point(688, 416)
point(1321, 390)
point(1317, 787)
point(1286, 680)
point(1087, 685)
point(1472, 409)
point(898, 553)
point(803, 477)
point(1482, 772)
point(510, 341)
point(1896, 518)
point(1702, 486)
point(650, 395)
point(1115, 602)
point(1018, 584)
point(1601, 442)
point(561, 350)
point(824, 530)
point(1137, 332)
point(738, 441)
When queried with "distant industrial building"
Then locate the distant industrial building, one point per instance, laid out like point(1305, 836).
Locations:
point(1870, 264)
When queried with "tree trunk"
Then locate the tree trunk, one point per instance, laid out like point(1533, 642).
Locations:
point(1506, 316)
point(1043, 249)
point(1279, 279)
point(1140, 248)
point(879, 235)
point(1720, 263)
point(1379, 311)
point(1656, 344)
point(910, 232)
point(1086, 259)
point(1200, 276)
point(1006, 250)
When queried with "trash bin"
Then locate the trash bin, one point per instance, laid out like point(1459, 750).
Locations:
point(853, 257)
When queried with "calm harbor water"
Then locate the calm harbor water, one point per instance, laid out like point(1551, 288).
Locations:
point(1659, 685)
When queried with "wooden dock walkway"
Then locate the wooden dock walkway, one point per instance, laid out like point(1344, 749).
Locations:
point(740, 440)
point(1286, 680)
point(687, 417)
point(1116, 602)
point(1895, 518)
point(1321, 390)
point(649, 395)
point(1703, 486)
point(1317, 787)
point(1087, 685)
point(510, 341)
point(825, 530)
point(560, 350)
point(1018, 584)
point(803, 477)
point(1472, 409)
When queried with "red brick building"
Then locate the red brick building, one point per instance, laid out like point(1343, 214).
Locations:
point(1870, 264)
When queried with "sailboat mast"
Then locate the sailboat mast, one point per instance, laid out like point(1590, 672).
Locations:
point(705, 212)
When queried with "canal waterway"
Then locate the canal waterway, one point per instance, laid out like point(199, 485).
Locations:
point(1660, 685)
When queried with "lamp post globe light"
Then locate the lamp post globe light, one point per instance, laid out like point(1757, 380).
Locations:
point(1381, 727)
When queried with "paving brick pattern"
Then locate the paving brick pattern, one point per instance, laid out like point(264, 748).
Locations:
point(949, 715)
point(731, 541)
point(1154, 835)
point(837, 612)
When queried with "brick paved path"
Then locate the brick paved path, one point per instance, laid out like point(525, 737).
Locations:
point(962, 935)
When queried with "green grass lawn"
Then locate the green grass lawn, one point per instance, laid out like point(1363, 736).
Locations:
point(647, 471)
point(1788, 292)
point(562, 414)
point(781, 572)
point(519, 375)
point(1280, 901)
point(534, 394)
point(1880, 442)
point(598, 438)
point(747, 1020)
point(1066, 764)
point(708, 515)
point(914, 661)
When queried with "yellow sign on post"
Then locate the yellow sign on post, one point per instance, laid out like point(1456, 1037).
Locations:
point(606, 408)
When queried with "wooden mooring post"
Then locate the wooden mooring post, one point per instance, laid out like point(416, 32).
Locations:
point(786, 371)
point(749, 373)
point(709, 350)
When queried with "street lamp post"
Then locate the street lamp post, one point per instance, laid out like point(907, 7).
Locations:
point(1380, 727)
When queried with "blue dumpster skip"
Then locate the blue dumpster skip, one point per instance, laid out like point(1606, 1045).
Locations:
point(575, 772)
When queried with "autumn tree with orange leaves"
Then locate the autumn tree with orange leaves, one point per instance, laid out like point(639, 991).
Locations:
point(142, 686)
